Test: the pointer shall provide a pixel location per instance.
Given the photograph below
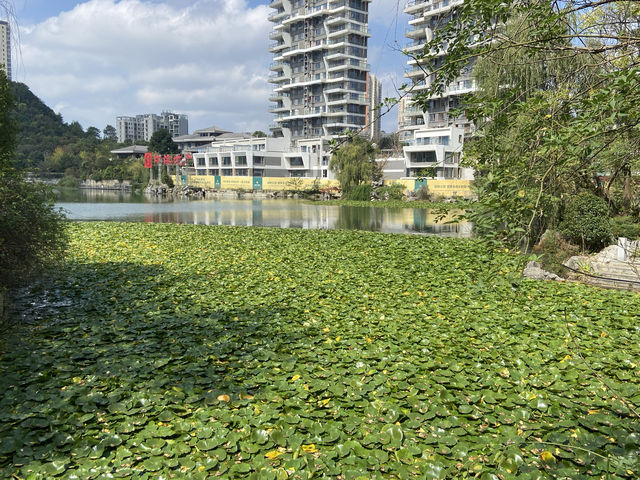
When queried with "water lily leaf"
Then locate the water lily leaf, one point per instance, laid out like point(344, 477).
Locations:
point(395, 434)
point(260, 436)
point(54, 468)
point(153, 464)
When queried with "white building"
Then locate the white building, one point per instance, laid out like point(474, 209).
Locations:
point(319, 68)
point(5, 48)
point(374, 97)
point(434, 138)
point(240, 154)
point(142, 127)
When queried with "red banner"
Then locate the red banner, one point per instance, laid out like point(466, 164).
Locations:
point(168, 159)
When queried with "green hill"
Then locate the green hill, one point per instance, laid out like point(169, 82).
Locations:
point(40, 129)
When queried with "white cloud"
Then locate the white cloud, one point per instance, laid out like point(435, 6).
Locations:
point(106, 58)
point(206, 58)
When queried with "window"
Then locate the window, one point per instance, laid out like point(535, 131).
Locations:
point(226, 161)
point(201, 162)
point(241, 160)
point(227, 172)
point(324, 174)
point(296, 162)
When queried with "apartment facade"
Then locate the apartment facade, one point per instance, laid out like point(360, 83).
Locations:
point(319, 70)
point(434, 138)
point(241, 155)
point(142, 127)
point(5, 48)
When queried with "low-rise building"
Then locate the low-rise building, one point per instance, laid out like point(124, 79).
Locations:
point(199, 138)
point(436, 153)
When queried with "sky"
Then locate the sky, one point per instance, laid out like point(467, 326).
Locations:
point(94, 60)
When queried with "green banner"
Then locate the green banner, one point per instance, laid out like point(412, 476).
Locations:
point(217, 184)
point(257, 183)
point(420, 183)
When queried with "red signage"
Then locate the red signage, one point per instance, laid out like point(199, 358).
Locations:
point(153, 158)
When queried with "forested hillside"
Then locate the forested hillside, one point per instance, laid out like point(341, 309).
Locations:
point(45, 143)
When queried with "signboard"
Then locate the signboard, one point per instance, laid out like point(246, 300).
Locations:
point(257, 183)
point(168, 159)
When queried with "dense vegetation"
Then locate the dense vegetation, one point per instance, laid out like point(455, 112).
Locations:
point(557, 108)
point(32, 234)
point(196, 352)
point(46, 144)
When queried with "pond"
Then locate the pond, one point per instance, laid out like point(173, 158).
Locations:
point(93, 205)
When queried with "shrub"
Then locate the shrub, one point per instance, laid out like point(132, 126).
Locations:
point(554, 250)
point(586, 222)
point(628, 227)
point(423, 193)
point(166, 179)
point(391, 192)
point(360, 192)
point(32, 233)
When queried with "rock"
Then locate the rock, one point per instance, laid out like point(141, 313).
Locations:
point(534, 271)
point(580, 263)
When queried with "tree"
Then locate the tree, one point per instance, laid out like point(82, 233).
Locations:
point(390, 142)
point(109, 133)
point(259, 134)
point(93, 133)
point(354, 163)
point(32, 233)
point(162, 143)
point(558, 105)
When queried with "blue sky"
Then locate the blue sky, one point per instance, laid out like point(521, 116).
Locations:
point(94, 60)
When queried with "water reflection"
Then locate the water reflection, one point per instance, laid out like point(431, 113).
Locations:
point(120, 206)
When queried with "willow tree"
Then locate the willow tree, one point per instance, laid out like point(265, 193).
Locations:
point(557, 107)
point(354, 163)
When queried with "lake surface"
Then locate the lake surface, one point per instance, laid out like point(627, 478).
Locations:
point(89, 205)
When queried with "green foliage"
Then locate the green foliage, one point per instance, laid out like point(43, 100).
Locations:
point(354, 163)
point(360, 192)
point(7, 125)
point(162, 143)
point(627, 227)
point(557, 106)
point(192, 351)
point(110, 133)
point(259, 134)
point(32, 231)
point(586, 222)
point(32, 234)
point(553, 250)
point(394, 191)
point(166, 178)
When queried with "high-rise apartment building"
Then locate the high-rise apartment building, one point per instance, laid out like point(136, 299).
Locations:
point(5, 47)
point(434, 137)
point(319, 70)
point(141, 127)
point(374, 97)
